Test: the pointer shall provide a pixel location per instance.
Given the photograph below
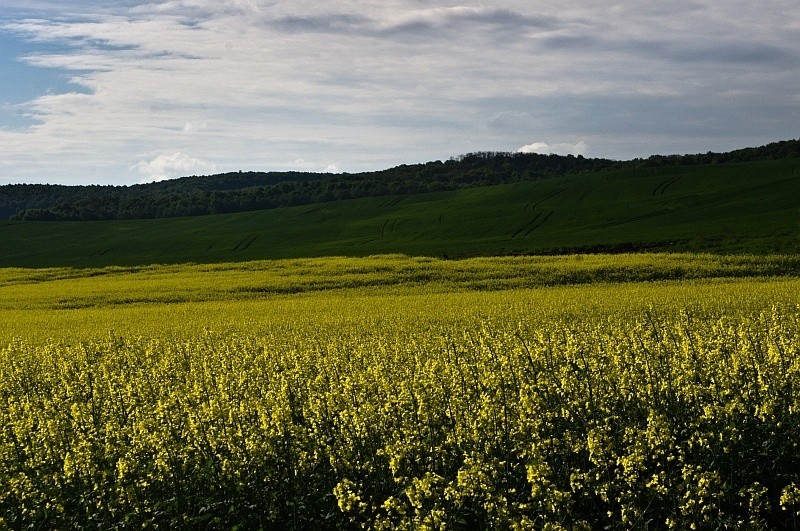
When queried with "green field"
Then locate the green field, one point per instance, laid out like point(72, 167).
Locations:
point(750, 207)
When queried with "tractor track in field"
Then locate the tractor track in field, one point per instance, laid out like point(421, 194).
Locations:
point(532, 206)
point(388, 225)
point(392, 202)
point(662, 187)
point(700, 201)
point(537, 221)
point(362, 242)
point(694, 202)
point(528, 224)
point(633, 219)
point(539, 224)
point(245, 243)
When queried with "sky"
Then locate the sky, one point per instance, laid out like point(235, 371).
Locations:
point(123, 92)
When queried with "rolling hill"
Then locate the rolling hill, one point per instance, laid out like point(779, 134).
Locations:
point(249, 191)
point(734, 207)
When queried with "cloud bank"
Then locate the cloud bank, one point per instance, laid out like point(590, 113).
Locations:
point(166, 88)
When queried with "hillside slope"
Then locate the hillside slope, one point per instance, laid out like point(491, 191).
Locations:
point(735, 207)
point(249, 191)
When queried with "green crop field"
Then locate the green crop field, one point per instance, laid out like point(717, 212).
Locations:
point(393, 392)
point(750, 207)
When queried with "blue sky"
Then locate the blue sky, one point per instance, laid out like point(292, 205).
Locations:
point(123, 92)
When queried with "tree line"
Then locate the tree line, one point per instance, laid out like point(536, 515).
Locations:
point(246, 191)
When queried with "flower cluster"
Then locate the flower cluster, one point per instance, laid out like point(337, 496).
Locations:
point(655, 418)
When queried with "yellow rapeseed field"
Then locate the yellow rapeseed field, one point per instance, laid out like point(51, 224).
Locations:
point(655, 391)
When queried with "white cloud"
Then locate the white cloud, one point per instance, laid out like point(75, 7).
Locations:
point(190, 127)
point(331, 168)
point(168, 166)
point(536, 147)
point(562, 148)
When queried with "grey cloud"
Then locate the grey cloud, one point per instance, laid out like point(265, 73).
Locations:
point(569, 42)
point(622, 128)
point(727, 52)
point(338, 23)
point(643, 115)
point(107, 45)
point(411, 28)
point(195, 12)
point(505, 18)
point(723, 52)
point(420, 23)
point(746, 53)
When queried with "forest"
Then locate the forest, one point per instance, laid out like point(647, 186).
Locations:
point(249, 191)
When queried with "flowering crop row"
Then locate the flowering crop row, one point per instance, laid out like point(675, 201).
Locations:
point(659, 418)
